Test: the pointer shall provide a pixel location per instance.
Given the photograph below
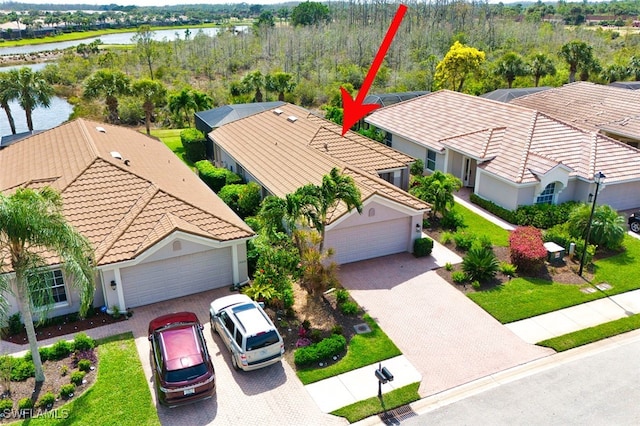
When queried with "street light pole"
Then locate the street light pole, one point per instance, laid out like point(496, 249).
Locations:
point(598, 178)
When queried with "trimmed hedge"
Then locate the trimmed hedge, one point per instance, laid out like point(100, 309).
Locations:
point(320, 351)
point(244, 199)
point(216, 177)
point(193, 142)
point(492, 207)
point(527, 249)
point(422, 247)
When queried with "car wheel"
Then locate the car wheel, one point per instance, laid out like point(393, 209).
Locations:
point(234, 362)
point(635, 227)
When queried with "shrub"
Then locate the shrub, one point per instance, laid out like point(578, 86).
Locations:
point(25, 404)
point(77, 377)
point(417, 167)
point(476, 285)
point(89, 355)
point(244, 199)
point(452, 220)
point(22, 369)
point(64, 370)
point(543, 216)
point(66, 391)
point(45, 353)
point(14, 324)
point(216, 177)
point(327, 348)
point(193, 142)
point(508, 269)
point(46, 400)
point(446, 237)
point(480, 264)
point(61, 349)
point(527, 249)
point(337, 329)
point(84, 365)
point(463, 240)
point(5, 405)
point(82, 342)
point(422, 247)
point(607, 227)
point(558, 234)
point(448, 266)
point(491, 207)
point(350, 308)
point(342, 295)
point(315, 335)
point(458, 277)
point(483, 241)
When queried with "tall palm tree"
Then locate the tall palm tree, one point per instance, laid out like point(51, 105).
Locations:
point(437, 189)
point(510, 66)
point(152, 93)
point(280, 82)
point(253, 82)
point(109, 84)
point(201, 100)
point(32, 227)
point(7, 94)
point(182, 101)
point(33, 90)
point(541, 65)
point(576, 53)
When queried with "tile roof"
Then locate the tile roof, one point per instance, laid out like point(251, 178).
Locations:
point(292, 148)
point(585, 105)
point(123, 205)
point(511, 141)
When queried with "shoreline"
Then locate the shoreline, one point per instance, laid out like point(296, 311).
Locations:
point(30, 58)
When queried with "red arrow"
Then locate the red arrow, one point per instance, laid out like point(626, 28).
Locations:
point(354, 110)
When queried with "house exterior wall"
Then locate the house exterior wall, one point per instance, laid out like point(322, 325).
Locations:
point(621, 196)
point(499, 191)
point(417, 151)
point(454, 164)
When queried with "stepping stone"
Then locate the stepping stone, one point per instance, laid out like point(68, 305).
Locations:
point(588, 290)
point(604, 286)
point(362, 328)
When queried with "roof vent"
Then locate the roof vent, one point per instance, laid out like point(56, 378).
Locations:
point(101, 129)
point(292, 118)
point(277, 111)
point(126, 162)
point(116, 154)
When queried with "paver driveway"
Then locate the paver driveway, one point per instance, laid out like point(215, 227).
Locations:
point(447, 337)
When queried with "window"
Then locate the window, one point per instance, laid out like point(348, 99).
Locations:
point(50, 289)
point(387, 139)
point(431, 160)
point(546, 196)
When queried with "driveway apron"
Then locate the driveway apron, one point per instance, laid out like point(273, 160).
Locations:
point(448, 338)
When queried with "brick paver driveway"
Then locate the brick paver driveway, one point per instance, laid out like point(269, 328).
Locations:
point(447, 337)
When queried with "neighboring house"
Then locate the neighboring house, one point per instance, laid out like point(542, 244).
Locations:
point(609, 110)
point(631, 85)
point(158, 231)
point(510, 154)
point(211, 119)
point(288, 147)
point(507, 95)
point(7, 140)
point(386, 99)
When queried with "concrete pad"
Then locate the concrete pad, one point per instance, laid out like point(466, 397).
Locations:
point(585, 315)
point(443, 255)
point(528, 330)
point(630, 301)
point(556, 323)
point(330, 394)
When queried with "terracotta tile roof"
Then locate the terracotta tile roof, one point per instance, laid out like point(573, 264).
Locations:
point(511, 141)
point(585, 105)
point(123, 207)
point(284, 153)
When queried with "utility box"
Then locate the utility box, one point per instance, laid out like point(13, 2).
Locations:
point(555, 252)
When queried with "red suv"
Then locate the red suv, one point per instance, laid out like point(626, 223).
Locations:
point(182, 369)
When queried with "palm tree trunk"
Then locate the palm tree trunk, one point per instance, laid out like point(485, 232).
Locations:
point(25, 309)
point(12, 123)
point(147, 120)
point(29, 119)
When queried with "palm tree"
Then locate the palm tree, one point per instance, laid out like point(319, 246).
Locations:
point(541, 66)
point(152, 93)
point(253, 82)
point(577, 54)
point(437, 189)
point(201, 100)
point(109, 84)
point(33, 90)
point(32, 226)
point(280, 82)
point(510, 66)
point(7, 94)
point(182, 101)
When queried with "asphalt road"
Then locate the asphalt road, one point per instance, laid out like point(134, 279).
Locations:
point(598, 389)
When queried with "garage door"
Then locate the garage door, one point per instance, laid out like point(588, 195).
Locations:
point(176, 277)
point(369, 241)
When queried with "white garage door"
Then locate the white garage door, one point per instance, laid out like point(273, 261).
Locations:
point(369, 241)
point(176, 277)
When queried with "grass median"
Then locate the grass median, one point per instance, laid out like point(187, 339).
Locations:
point(372, 406)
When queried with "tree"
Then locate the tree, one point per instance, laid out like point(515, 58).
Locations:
point(182, 101)
point(201, 100)
point(32, 223)
point(541, 66)
point(458, 63)
point(615, 72)
point(280, 82)
point(109, 84)
point(31, 90)
point(437, 189)
point(153, 93)
point(265, 20)
point(634, 67)
point(510, 66)
point(146, 47)
point(7, 94)
point(253, 82)
point(310, 13)
point(607, 226)
point(577, 54)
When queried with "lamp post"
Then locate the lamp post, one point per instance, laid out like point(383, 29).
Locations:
point(597, 178)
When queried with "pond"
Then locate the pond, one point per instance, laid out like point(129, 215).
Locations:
point(43, 118)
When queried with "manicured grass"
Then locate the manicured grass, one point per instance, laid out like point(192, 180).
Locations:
point(364, 349)
point(369, 407)
point(592, 334)
point(478, 225)
point(171, 138)
point(526, 297)
point(120, 395)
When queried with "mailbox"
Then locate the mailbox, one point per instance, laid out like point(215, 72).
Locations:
point(384, 375)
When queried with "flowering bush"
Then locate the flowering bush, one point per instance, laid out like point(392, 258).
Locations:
point(527, 249)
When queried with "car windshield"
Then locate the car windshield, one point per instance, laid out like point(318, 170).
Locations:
point(185, 374)
point(262, 340)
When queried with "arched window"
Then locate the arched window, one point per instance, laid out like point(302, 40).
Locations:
point(546, 196)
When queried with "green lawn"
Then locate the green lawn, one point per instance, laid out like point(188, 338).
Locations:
point(369, 407)
point(592, 334)
point(525, 297)
point(120, 395)
point(478, 225)
point(171, 138)
point(364, 349)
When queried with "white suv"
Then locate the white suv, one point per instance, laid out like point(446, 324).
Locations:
point(247, 331)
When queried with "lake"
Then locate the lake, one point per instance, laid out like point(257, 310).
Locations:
point(43, 118)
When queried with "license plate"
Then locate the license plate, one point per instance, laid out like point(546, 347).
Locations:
point(189, 391)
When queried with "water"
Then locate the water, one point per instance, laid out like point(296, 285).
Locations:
point(43, 118)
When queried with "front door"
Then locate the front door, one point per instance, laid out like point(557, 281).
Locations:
point(466, 172)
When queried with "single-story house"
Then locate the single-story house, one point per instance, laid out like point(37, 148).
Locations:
point(287, 147)
point(157, 230)
point(507, 95)
point(211, 119)
point(510, 154)
point(609, 110)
